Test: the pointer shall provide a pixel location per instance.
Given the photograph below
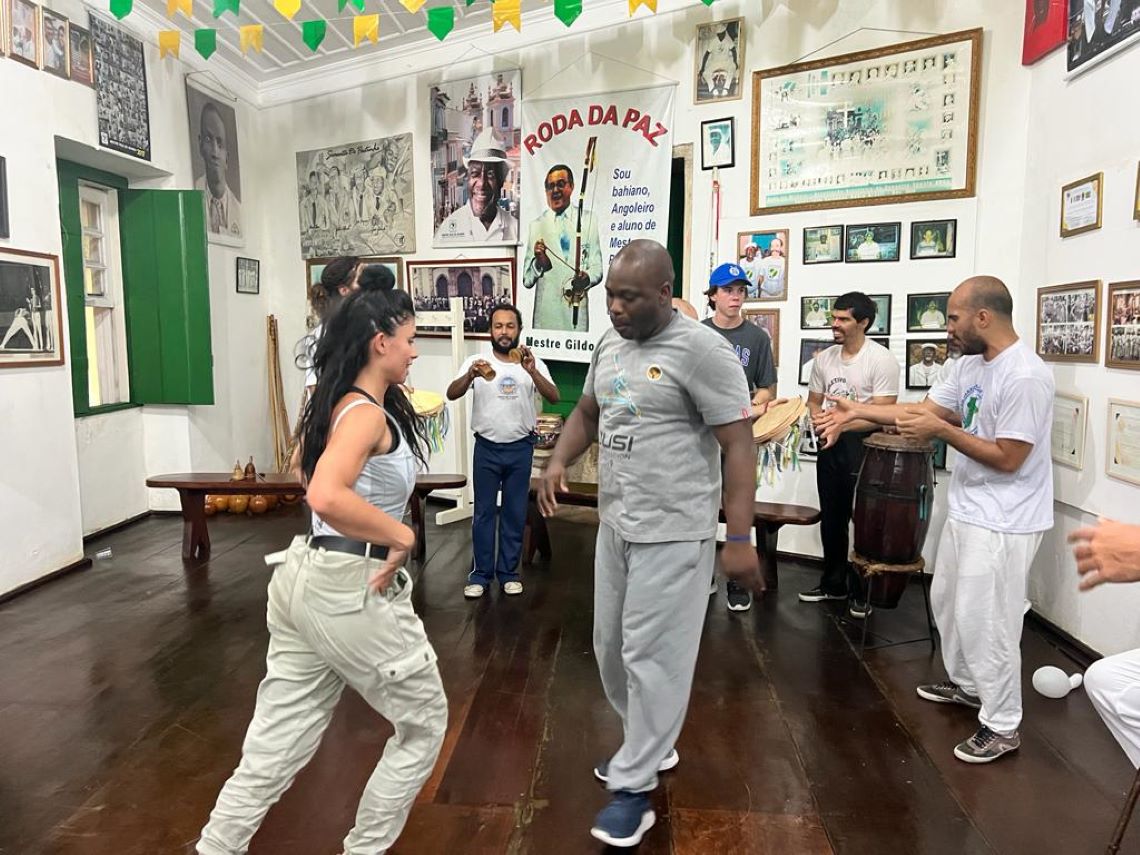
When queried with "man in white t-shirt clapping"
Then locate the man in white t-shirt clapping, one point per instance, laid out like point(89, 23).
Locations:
point(856, 369)
point(995, 406)
point(503, 417)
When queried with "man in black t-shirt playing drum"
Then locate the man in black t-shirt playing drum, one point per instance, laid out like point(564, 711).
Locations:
point(728, 288)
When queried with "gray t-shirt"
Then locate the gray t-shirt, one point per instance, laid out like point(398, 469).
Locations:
point(754, 349)
point(659, 461)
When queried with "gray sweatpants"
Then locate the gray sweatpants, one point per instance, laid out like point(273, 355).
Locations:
point(327, 629)
point(650, 601)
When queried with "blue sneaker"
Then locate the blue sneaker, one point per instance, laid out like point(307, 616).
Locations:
point(624, 821)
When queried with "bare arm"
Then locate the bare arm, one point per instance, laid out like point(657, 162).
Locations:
point(462, 383)
point(829, 424)
point(545, 387)
point(738, 559)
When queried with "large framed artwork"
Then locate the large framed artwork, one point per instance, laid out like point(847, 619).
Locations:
point(215, 166)
point(719, 62)
point(31, 326)
point(1067, 327)
point(1123, 458)
point(475, 136)
point(1122, 335)
point(895, 124)
point(482, 283)
point(769, 321)
point(1044, 28)
point(1098, 29)
point(764, 257)
point(314, 267)
point(120, 86)
point(356, 198)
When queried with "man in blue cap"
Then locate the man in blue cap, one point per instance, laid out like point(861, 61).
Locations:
point(728, 288)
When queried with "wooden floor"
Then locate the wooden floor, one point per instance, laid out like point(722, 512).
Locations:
point(125, 691)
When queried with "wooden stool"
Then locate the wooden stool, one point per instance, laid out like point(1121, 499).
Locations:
point(426, 484)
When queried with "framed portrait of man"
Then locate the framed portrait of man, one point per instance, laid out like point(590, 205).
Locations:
point(215, 165)
point(873, 242)
point(31, 325)
point(933, 239)
point(24, 32)
point(809, 348)
point(924, 361)
point(719, 61)
point(718, 143)
point(764, 257)
point(54, 43)
point(815, 313)
point(823, 244)
point(927, 312)
point(769, 321)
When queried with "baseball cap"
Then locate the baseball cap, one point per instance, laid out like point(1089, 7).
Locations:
point(727, 274)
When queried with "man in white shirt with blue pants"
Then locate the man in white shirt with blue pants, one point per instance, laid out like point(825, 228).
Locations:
point(995, 406)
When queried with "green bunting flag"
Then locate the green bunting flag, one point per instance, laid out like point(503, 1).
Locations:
point(359, 4)
point(313, 33)
point(567, 11)
point(223, 6)
point(707, 2)
point(206, 42)
point(440, 20)
point(121, 8)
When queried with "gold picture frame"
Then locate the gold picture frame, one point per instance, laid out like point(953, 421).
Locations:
point(769, 321)
point(1122, 325)
point(1077, 206)
point(926, 91)
point(1068, 329)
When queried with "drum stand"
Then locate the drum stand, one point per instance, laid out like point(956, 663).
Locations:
point(918, 568)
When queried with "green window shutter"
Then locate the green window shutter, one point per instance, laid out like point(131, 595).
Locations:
point(166, 290)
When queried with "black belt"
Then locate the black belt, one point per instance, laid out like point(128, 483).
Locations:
point(333, 543)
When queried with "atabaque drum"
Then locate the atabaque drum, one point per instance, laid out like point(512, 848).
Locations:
point(893, 499)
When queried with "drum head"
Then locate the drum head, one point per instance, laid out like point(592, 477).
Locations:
point(894, 442)
point(776, 422)
point(425, 403)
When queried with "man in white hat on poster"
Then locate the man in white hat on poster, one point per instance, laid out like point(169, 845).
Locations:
point(481, 220)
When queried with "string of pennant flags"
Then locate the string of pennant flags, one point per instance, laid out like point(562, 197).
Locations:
point(365, 28)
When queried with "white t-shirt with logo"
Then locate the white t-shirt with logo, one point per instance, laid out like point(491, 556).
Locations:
point(1009, 397)
point(504, 409)
point(872, 373)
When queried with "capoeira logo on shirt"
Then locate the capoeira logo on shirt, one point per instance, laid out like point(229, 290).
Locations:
point(508, 387)
point(971, 403)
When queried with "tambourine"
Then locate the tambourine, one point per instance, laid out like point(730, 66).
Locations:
point(432, 409)
point(777, 437)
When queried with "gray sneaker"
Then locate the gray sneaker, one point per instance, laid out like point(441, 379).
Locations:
point(948, 693)
point(986, 745)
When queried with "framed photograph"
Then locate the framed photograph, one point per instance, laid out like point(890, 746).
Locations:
point(719, 61)
point(882, 324)
point(873, 242)
point(81, 61)
point(924, 361)
point(5, 228)
point(769, 321)
point(215, 166)
point(1136, 199)
point(1070, 418)
point(885, 342)
point(356, 198)
point(1067, 326)
point(815, 313)
point(31, 325)
point(483, 283)
point(809, 347)
point(248, 276)
point(476, 134)
point(1123, 458)
point(823, 244)
point(926, 312)
point(934, 239)
point(1122, 330)
point(54, 26)
point(24, 32)
point(893, 124)
point(1097, 30)
point(1080, 205)
point(1045, 22)
point(314, 267)
point(718, 143)
point(809, 442)
point(121, 94)
point(764, 257)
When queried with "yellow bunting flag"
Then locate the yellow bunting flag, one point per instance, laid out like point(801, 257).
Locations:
point(413, 6)
point(183, 6)
point(289, 8)
point(365, 27)
point(635, 4)
point(252, 36)
point(506, 12)
point(169, 42)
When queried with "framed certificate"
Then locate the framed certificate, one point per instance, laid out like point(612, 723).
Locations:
point(1080, 205)
point(1122, 459)
point(1070, 419)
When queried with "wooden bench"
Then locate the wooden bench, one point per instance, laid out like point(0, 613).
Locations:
point(193, 488)
point(768, 519)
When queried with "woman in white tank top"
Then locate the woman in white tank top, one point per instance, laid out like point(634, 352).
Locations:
point(340, 607)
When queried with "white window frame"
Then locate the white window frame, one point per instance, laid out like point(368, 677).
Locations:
point(111, 341)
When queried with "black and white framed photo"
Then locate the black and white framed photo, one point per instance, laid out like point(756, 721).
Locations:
point(934, 239)
point(214, 163)
point(1122, 340)
point(815, 313)
point(24, 32)
point(31, 326)
point(718, 143)
point(54, 29)
point(719, 61)
point(924, 361)
point(809, 348)
point(823, 244)
point(873, 242)
point(248, 276)
point(482, 283)
point(120, 83)
point(5, 229)
point(1068, 329)
point(927, 312)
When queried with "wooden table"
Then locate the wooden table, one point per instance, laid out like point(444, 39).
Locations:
point(192, 488)
point(424, 485)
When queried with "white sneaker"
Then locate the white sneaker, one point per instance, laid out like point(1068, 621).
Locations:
point(473, 592)
point(712, 586)
point(512, 588)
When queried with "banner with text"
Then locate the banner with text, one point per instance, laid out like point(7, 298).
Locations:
point(595, 175)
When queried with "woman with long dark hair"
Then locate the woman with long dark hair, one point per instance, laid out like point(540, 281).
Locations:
point(340, 608)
